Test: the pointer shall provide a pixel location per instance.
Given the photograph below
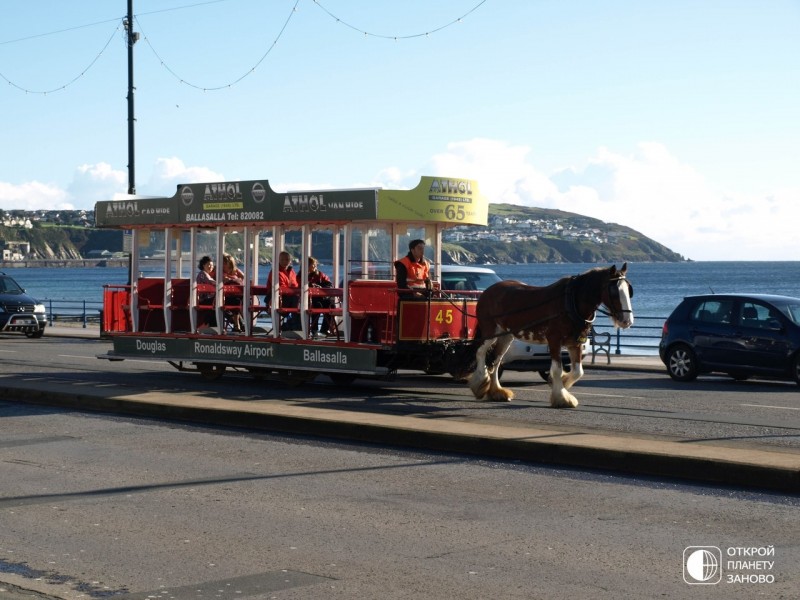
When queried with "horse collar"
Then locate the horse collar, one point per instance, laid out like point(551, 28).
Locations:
point(582, 325)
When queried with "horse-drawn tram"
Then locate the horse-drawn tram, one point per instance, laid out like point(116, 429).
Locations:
point(361, 320)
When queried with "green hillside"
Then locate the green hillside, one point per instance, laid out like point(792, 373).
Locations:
point(534, 235)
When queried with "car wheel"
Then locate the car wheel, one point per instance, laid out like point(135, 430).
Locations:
point(544, 375)
point(681, 363)
point(796, 369)
point(34, 334)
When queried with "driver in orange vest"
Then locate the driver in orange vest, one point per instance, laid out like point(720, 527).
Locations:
point(413, 270)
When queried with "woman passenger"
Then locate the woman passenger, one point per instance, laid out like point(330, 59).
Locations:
point(232, 275)
point(205, 276)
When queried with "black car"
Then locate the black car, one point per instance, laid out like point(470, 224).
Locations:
point(19, 312)
point(738, 334)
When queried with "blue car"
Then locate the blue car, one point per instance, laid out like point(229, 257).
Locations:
point(738, 334)
point(19, 313)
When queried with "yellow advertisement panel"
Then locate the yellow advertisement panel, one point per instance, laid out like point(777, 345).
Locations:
point(436, 199)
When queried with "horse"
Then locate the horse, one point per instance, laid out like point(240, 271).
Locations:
point(560, 314)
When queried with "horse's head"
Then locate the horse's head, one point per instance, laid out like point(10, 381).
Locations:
point(617, 297)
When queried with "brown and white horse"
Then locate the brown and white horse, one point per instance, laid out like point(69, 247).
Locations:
point(560, 315)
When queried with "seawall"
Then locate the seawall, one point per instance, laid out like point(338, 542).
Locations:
point(65, 263)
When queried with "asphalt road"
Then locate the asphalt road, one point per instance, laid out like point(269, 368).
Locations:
point(99, 506)
point(745, 414)
point(102, 506)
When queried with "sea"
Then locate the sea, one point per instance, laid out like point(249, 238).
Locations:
point(658, 287)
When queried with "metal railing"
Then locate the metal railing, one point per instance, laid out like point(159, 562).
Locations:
point(643, 337)
point(73, 311)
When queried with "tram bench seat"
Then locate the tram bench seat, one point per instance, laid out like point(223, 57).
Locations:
point(256, 293)
point(179, 304)
point(332, 298)
point(372, 297)
point(262, 291)
point(232, 300)
point(179, 294)
point(150, 299)
point(206, 295)
point(372, 306)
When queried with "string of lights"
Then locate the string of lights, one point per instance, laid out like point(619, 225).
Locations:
point(74, 79)
point(399, 37)
point(250, 71)
point(49, 33)
point(233, 82)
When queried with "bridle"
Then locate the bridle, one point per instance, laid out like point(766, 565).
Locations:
point(614, 295)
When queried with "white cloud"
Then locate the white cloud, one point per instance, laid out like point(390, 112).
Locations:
point(100, 181)
point(504, 172)
point(650, 191)
point(169, 172)
point(33, 195)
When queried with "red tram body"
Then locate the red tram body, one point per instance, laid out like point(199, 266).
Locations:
point(376, 327)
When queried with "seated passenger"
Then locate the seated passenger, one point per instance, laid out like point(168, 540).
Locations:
point(205, 276)
point(318, 279)
point(413, 270)
point(287, 278)
point(232, 275)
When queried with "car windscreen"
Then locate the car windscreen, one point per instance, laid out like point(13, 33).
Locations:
point(791, 310)
point(9, 286)
point(468, 280)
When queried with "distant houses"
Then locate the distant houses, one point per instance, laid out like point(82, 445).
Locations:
point(26, 218)
point(510, 230)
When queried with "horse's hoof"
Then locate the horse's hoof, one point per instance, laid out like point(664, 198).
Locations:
point(501, 395)
point(564, 400)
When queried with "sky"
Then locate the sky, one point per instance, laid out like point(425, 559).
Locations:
point(680, 119)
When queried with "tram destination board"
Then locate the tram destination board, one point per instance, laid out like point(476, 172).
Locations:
point(248, 352)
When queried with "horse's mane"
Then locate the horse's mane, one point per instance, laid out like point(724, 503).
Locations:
point(588, 279)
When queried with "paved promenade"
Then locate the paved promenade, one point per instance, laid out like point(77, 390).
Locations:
point(763, 467)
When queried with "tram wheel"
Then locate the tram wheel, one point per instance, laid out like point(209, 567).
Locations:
point(342, 378)
point(211, 372)
point(258, 373)
point(295, 378)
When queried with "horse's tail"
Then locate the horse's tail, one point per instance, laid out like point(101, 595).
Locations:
point(467, 357)
point(490, 353)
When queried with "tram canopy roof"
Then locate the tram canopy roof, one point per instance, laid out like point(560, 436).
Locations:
point(444, 200)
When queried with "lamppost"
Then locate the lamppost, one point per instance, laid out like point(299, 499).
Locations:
point(133, 37)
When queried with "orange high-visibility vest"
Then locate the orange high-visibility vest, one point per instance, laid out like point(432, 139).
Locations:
point(416, 272)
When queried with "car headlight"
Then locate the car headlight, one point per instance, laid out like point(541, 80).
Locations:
point(39, 308)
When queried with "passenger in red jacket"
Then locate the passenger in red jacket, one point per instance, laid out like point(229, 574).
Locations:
point(318, 279)
point(287, 278)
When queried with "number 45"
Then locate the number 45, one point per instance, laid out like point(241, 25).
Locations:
point(445, 316)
